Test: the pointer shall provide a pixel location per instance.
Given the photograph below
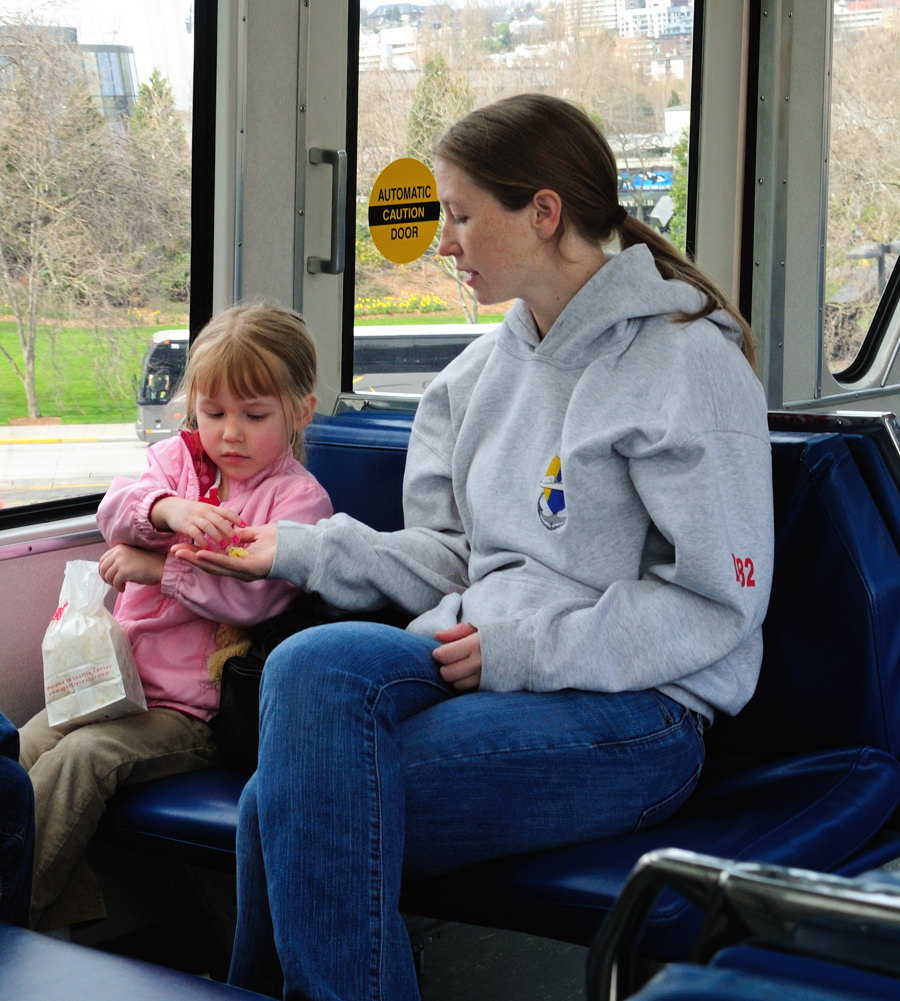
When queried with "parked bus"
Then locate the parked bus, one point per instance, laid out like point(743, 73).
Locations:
point(759, 137)
point(158, 391)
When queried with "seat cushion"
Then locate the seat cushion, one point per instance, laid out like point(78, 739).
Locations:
point(814, 811)
point(191, 817)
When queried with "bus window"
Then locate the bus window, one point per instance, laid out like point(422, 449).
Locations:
point(421, 68)
point(386, 360)
point(102, 90)
point(160, 409)
point(397, 359)
point(863, 230)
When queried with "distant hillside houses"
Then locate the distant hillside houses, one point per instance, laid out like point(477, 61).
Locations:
point(388, 14)
point(658, 33)
point(657, 19)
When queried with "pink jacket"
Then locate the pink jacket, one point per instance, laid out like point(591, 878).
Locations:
point(172, 625)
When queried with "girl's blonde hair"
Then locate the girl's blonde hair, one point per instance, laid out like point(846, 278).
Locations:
point(519, 145)
point(252, 351)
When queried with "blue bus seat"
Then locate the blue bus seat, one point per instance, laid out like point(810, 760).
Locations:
point(807, 775)
point(769, 932)
point(359, 457)
point(38, 967)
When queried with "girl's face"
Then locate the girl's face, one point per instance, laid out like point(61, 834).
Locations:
point(497, 250)
point(244, 436)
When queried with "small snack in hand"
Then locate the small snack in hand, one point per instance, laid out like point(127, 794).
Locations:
point(238, 551)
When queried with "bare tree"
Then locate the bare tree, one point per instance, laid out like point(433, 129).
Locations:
point(78, 205)
point(45, 232)
point(159, 195)
point(440, 99)
point(864, 185)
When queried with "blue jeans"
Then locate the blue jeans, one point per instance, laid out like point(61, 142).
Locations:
point(16, 830)
point(371, 768)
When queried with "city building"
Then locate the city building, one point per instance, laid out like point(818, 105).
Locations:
point(109, 69)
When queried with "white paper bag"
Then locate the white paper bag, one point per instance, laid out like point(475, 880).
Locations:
point(89, 670)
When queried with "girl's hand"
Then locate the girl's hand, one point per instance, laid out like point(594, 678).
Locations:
point(204, 524)
point(459, 656)
point(123, 564)
point(259, 543)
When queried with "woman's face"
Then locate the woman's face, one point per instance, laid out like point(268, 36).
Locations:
point(497, 250)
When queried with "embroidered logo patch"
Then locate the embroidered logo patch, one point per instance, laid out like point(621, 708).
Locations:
point(552, 500)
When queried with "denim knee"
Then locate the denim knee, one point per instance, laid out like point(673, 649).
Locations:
point(368, 650)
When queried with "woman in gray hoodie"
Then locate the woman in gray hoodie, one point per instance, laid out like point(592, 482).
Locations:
point(587, 554)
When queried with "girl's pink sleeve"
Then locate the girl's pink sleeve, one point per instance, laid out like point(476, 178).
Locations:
point(243, 603)
point(124, 512)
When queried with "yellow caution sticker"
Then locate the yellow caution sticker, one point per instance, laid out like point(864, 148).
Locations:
point(404, 210)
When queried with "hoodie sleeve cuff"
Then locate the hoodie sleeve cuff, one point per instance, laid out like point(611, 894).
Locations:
point(296, 551)
point(507, 653)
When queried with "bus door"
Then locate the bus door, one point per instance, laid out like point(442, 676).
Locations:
point(282, 188)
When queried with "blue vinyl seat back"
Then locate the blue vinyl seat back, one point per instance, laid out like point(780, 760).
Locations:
point(831, 667)
point(359, 457)
point(881, 473)
point(835, 603)
point(836, 593)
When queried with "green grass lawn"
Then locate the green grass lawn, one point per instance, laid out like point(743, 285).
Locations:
point(83, 376)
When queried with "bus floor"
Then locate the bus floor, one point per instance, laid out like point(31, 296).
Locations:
point(186, 921)
point(183, 917)
point(468, 963)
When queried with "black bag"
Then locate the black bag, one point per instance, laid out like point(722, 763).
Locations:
point(236, 725)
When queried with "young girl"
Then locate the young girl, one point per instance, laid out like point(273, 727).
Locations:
point(250, 380)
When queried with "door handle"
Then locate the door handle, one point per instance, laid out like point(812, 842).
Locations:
point(338, 160)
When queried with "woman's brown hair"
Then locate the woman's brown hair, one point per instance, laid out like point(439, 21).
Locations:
point(519, 145)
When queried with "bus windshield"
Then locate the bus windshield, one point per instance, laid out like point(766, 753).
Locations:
point(161, 375)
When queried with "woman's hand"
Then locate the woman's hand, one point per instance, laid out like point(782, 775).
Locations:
point(259, 543)
point(459, 656)
point(204, 524)
point(123, 564)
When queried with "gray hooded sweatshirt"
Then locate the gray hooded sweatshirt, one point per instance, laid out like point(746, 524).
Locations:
point(598, 503)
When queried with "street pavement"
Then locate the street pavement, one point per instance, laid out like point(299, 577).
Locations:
point(45, 462)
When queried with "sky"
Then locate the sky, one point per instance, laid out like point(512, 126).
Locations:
point(155, 29)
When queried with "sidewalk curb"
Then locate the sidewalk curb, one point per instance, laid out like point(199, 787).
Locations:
point(31, 434)
point(65, 441)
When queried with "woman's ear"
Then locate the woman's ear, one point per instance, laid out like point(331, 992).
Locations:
point(547, 209)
